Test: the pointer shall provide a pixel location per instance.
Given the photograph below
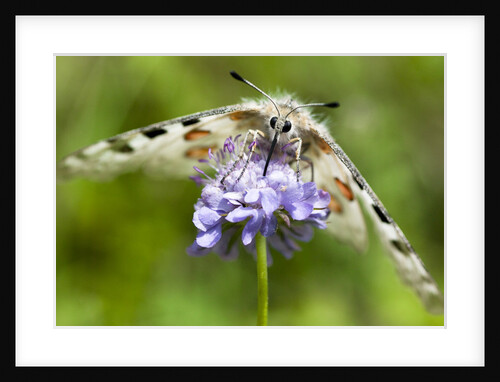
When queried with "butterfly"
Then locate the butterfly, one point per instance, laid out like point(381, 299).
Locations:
point(171, 148)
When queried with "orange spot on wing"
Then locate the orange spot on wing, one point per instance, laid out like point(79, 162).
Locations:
point(238, 115)
point(334, 205)
point(344, 189)
point(323, 146)
point(199, 152)
point(195, 134)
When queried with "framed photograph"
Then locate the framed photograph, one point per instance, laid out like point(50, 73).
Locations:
point(108, 271)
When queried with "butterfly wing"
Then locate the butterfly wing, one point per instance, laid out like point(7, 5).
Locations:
point(158, 148)
point(346, 222)
point(408, 264)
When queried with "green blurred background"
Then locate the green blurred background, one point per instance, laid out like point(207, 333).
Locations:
point(121, 256)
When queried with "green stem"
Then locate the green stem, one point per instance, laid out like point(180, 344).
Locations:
point(262, 301)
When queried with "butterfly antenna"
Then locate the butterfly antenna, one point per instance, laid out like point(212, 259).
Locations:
point(240, 78)
point(329, 104)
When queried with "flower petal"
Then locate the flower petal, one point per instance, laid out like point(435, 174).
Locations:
point(195, 250)
point(318, 218)
point(205, 218)
point(262, 182)
point(211, 195)
point(240, 214)
point(309, 189)
point(291, 194)
point(229, 145)
point(269, 200)
point(197, 179)
point(286, 248)
point(299, 210)
point(252, 196)
point(227, 247)
point(277, 179)
point(197, 223)
point(303, 232)
point(323, 199)
point(233, 196)
point(269, 226)
point(209, 238)
point(252, 227)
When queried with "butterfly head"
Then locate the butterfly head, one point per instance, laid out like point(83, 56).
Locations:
point(280, 123)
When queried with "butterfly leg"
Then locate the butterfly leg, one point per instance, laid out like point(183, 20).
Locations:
point(252, 150)
point(241, 153)
point(297, 153)
point(311, 165)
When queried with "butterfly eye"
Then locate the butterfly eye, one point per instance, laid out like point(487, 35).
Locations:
point(287, 126)
point(273, 121)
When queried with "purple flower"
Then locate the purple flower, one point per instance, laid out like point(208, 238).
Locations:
point(239, 202)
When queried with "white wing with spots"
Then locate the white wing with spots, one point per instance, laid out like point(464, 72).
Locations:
point(346, 221)
point(408, 264)
point(168, 148)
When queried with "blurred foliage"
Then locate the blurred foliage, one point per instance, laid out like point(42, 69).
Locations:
point(121, 256)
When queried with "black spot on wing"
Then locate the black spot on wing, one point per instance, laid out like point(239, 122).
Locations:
point(154, 133)
point(80, 155)
point(380, 214)
point(122, 148)
point(427, 278)
point(190, 122)
point(400, 247)
point(358, 182)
